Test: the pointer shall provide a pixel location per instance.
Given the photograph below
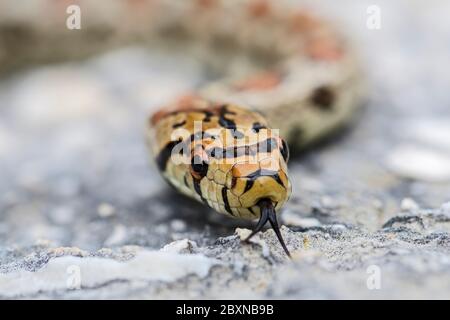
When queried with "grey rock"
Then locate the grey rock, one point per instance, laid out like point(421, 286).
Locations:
point(77, 193)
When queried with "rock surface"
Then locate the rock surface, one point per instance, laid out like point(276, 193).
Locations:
point(83, 215)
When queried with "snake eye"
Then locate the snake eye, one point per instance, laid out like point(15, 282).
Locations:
point(284, 151)
point(199, 166)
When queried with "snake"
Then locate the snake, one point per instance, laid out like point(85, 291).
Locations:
point(282, 77)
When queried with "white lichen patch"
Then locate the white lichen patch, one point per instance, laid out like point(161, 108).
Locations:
point(292, 219)
point(180, 246)
point(429, 131)
point(244, 233)
point(408, 204)
point(106, 210)
point(420, 163)
point(425, 154)
point(69, 272)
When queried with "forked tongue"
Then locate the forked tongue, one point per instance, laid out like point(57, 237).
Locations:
point(268, 214)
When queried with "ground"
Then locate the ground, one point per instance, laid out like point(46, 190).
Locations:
point(84, 214)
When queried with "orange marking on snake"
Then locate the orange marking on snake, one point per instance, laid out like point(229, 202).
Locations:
point(259, 82)
point(324, 49)
point(259, 9)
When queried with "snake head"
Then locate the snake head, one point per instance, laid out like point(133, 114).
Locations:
point(256, 182)
point(245, 173)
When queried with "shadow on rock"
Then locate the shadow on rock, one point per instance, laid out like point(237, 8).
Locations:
point(169, 205)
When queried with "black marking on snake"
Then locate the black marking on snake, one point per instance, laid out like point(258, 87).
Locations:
point(225, 200)
point(196, 136)
point(237, 134)
point(198, 189)
point(323, 97)
point(264, 173)
point(278, 180)
point(267, 145)
point(223, 121)
point(248, 184)
point(179, 124)
point(199, 165)
point(233, 152)
point(208, 115)
point(284, 150)
point(185, 181)
point(164, 155)
point(233, 182)
point(200, 135)
point(258, 126)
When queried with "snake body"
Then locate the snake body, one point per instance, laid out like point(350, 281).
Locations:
point(280, 68)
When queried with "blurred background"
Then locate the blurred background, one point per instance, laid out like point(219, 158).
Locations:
point(74, 168)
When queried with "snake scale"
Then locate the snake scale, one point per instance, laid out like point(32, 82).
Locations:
point(278, 66)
